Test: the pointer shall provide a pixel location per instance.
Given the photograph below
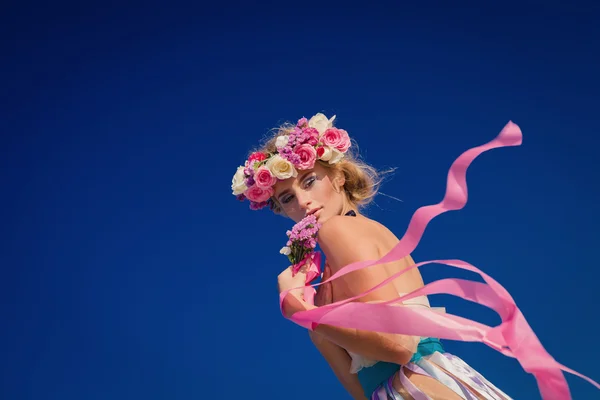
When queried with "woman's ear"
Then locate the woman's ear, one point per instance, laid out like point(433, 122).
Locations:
point(339, 180)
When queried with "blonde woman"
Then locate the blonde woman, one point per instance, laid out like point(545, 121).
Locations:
point(309, 168)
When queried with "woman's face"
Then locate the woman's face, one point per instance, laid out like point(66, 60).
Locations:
point(312, 191)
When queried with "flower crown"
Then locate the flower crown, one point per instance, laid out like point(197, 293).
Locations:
point(309, 141)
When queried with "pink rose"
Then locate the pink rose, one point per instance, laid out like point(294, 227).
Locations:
point(336, 138)
point(307, 155)
point(263, 178)
point(256, 156)
point(258, 195)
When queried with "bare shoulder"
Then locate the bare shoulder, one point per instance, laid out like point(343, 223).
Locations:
point(352, 227)
point(346, 240)
point(342, 228)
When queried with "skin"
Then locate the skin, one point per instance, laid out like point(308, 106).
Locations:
point(314, 189)
point(345, 240)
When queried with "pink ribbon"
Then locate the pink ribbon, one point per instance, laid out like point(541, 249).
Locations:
point(312, 272)
point(513, 337)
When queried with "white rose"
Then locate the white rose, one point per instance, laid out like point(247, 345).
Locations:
point(281, 141)
point(336, 156)
point(281, 168)
point(286, 251)
point(327, 153)
point(321, 123)
point(238, 183)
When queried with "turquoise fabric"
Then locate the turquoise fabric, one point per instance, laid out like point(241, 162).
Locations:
point(374, 376)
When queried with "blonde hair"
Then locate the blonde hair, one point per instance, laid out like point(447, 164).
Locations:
point(361, 180)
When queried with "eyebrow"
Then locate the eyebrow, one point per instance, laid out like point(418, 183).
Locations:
point(300, 178)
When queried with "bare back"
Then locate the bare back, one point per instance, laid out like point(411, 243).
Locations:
point(384, 241)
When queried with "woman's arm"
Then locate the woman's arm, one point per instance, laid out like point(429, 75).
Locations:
point(339, 361)
point(345, 241)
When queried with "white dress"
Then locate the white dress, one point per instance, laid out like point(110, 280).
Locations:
point(469, 383)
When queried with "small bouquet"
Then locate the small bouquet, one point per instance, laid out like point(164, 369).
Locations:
point(300, 250)
point(302, 241)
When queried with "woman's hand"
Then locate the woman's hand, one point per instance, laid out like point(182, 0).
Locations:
point(323, 297)
point(286, 280)
point(294, 300)
point(324, 294)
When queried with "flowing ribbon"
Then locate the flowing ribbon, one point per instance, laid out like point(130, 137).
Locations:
point(312, 272)
point(513, 337)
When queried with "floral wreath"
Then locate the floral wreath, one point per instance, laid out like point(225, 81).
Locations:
point(309, 141)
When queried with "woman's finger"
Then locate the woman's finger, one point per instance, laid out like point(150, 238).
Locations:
point(326, 272)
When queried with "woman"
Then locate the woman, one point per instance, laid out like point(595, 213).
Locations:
point(308, 168)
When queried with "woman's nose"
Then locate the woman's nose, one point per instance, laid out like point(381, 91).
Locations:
point(304, 200)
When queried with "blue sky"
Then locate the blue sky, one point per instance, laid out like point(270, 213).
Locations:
point(129, 269)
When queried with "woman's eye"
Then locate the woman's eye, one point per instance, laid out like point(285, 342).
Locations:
point(286, 199)
point(309, 181)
